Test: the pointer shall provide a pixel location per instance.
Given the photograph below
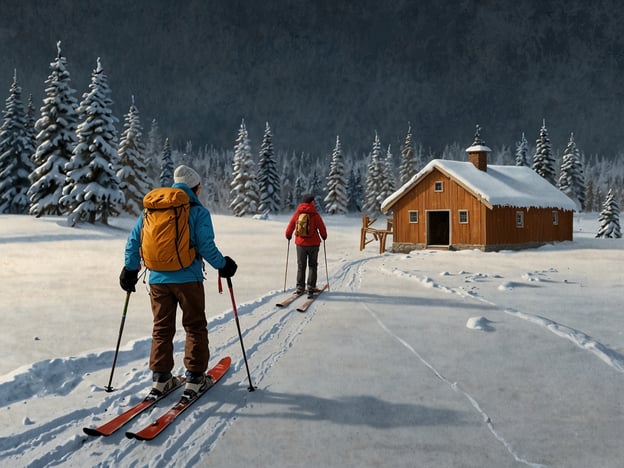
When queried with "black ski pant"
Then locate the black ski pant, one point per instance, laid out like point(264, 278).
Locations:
point(307, 256)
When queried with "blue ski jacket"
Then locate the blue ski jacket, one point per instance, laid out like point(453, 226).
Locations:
point(202, 238)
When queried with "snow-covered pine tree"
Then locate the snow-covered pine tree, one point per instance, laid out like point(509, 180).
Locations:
point(153, 150)
point(522, 149)
point(300, 189)
point(31, 118)
point(92, 192)
point(303, 168)
point(597, 198)
point(288, 188)
point(589, 195)
point(134, 180)
point(609, 218)
point(16, 149)
point(268, 177)
point(389, 179)
point(355, 191)
point(166, 168)
point(244, 191)
point(316, 189)
point(336, 189)
point(571, 179)
point(543, 160)
point(375, 180)
point(56, 138)
point(408, 165)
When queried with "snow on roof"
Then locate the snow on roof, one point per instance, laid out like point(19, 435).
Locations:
point(517, 186)
point(477, 148)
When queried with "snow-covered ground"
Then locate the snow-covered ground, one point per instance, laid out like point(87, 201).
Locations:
point(433, 358)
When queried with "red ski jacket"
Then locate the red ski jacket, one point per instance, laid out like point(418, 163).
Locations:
point(317, 226)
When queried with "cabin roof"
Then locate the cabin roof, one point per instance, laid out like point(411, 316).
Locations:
point(512, 186)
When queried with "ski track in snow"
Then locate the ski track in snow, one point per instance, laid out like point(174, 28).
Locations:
point(353, 280)
point(456, 387)
point(267, 332)
point(579, 338)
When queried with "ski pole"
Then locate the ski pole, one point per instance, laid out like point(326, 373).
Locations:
point(326, 270)
point(109, 388)
point(286, 271)
point(251, 388)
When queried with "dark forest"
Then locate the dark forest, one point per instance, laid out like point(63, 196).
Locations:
point(319, 69)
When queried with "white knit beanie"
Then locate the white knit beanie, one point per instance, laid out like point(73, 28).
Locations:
point(185, 175)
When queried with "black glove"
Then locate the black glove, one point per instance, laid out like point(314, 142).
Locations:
point(228, 270)
point(128, 279)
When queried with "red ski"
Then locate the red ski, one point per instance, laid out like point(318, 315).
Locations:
point(117, 422)
point(160, 424)
point(303, 307)
point(288, 300)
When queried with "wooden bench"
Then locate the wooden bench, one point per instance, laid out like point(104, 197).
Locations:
point(376, 234)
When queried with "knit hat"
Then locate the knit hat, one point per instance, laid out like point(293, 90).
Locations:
point(307, 198)
point(185, 175)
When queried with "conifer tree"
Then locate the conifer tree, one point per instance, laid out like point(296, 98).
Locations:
point(571, 179)
point(336, 199)
point(30, 124)
point(522, 149)
point(92, 192)
point(134, 180)
point(374, 190)
point(300, 189)
point(589, 195)
point(288, 189)
point(153, 150)
point(166, 168)
point(355, 191)
point(408, 164)
point(316, 189)
point(55, 140)
point(268, 177)
point(389, 182)
point(244, 191)
point(609, 218)
point(543, 160)
point(597, 198)
point(16, 150)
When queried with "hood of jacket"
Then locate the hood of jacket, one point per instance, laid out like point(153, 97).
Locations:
point(306, 207)
point(192, 197)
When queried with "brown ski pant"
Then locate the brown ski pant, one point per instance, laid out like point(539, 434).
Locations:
point(164, 299)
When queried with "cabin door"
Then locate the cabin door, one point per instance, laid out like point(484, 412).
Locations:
point(438, 228)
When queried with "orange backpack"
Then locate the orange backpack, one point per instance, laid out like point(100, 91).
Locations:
point(303, 225)
point(165, 236)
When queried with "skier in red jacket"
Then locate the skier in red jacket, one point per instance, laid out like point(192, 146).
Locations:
point(308, 226)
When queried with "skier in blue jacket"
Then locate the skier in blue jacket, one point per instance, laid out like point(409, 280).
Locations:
point(184, 287)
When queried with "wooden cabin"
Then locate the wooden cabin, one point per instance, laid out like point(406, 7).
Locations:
point(473, 205)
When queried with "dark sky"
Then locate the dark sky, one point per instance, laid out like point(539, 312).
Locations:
point(317, 69)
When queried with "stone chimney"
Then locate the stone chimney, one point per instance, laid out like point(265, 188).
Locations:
point(478, 151)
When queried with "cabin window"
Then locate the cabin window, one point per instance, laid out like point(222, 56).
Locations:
point(463, 216)
point(519, 219)
point(413, 216)
point(555, 218)
point(438, 186)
